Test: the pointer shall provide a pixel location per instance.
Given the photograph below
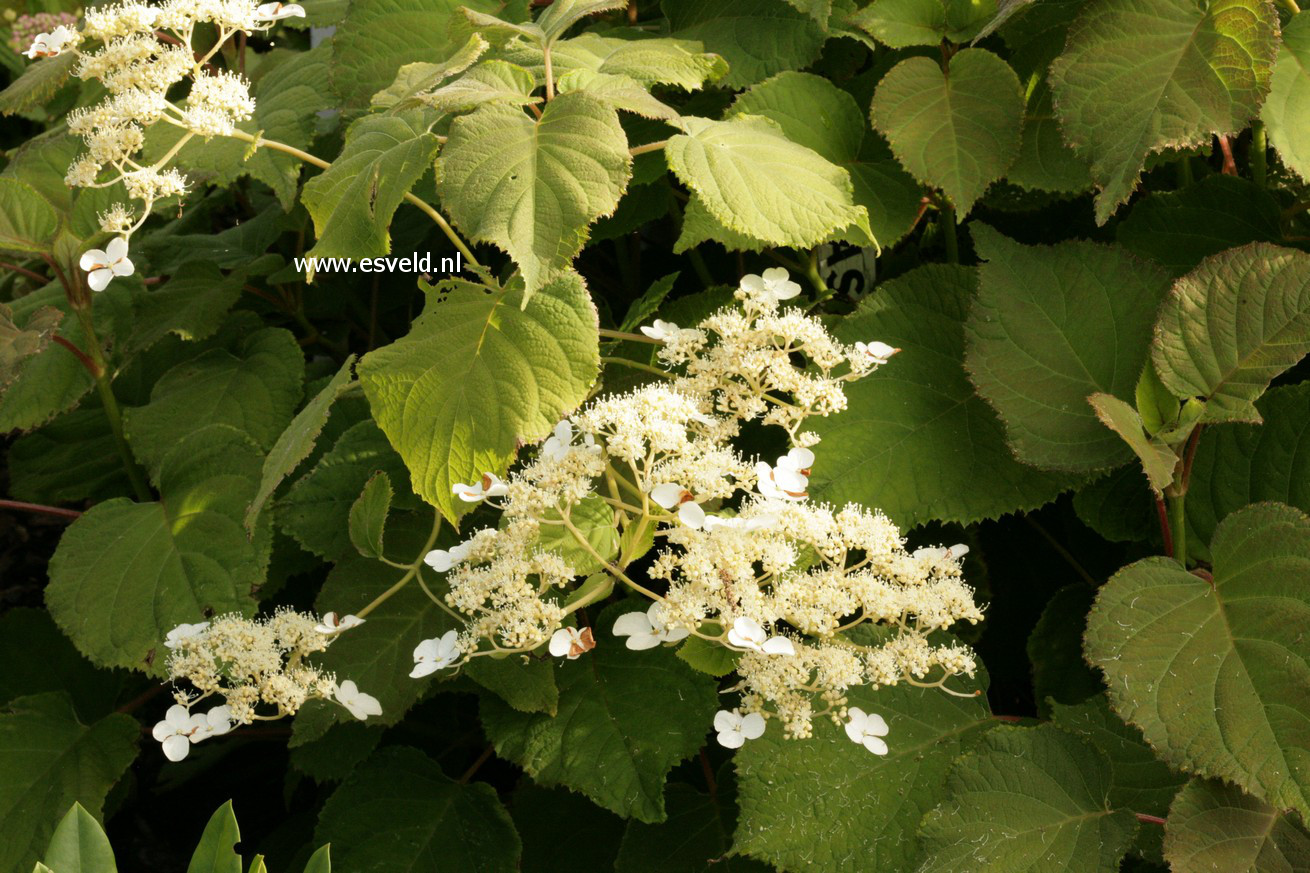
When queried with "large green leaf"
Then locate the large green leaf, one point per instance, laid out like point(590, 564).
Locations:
point(17, 344)
point(478, 374)
point(1194, 70)
point(126, 573)
point(905, 23)
point(192, 304)
point(696, 838)
point(79, 845)
point(756, 37)
point(827, 804)
point(421, 76)
point(28, 223)
point(1239, 464)
point(1217, 674)
point(534, 186)
point(253, 387)
point(755, 181)
point(368, 516)
point(1178, 229)
point(1029, 800)
point(1233, 324)
point(50, 761)
point(648, 60)
point(1053, 325)
point(398, 811)
point(25, 631)
point(915, 440)
point(1213, 826)
point(38, 83)
point(216, 851)
point(958, 129)
point(625, 719)
point(352, 201)
point(1287, 110)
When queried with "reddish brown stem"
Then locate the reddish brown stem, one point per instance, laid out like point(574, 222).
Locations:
point(39, 508)
point(153, 280)
point(82, 356)
point(477, 765)
point(1149, 819)
point(1168, 535)
point(142, 699)
point(710, 781)
point(23, 271)
point(1189, 455)
point(1230, 165)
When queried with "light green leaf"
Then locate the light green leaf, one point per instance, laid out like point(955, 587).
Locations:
point(352, 201)
point(755, 181)
point(645, 59)
point(915, 440)
point(254, 387)
point(1239, 464)
point(492, 81)
point(905, 23)
point(398, 811)
point(51, 761)
point(827, 804)
point(594, 519)
point(320, 861)
point(126, 573)
point(1213, 826)
point(559, 16)
point(1053, 325)
point(1216, 674)
point(810, 111)
point(79, 845)
point(625, 719)
point(617, 92)
point(533, 187)
point(528, 686)
point(706, 657)
point(505, 374)
point(1029, 800)
point(1287, 109)
point(368, 516)
point(1157, 459)
point(645, 306)
point(756, 37)
point(192, 304)
point(297, 441)
point(421, 76)
point(38, 83)
point(1179, 229)
point(1233, 324)
point(1195, 72)
point(957, 131)
point(216, 851)
point(28, 223)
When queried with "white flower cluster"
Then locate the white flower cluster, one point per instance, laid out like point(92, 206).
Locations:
point(259, 667)
point(140, 53)
point(743, 558)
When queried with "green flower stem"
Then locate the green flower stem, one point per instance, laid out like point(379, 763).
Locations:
point(648, 147)
point(946, 220)
point(410, 573)
point(1291, 6)
point(99, 372)
point(1178, 525)
point(624, 362)
point(1259, 153)
point(609, 568)
point(427, 208)
point(631, 337)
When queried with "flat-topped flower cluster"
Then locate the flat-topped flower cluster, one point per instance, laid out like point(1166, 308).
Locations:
point(742, 557)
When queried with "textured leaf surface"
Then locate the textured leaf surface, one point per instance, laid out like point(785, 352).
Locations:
point(28, 223)
point(651, 61)
point(1287, 110)
point(494, 81)
point(192, 304)
point(37, 84)
point(756, 37)
point(1157, 459)
point(904, 23)
point(1213, 826)
point(1052, 326)
point(958, 131)
point(1232, 325)
point(1195, 72)
point(368, 516)
point(400, 812)
point(1239, 464)
point(50, 761)
point(1218, 678)
point(915, 440)
point(603, 742)
point(827, 804)
point(478, 374)
point(1029, 800)
point(533, 187)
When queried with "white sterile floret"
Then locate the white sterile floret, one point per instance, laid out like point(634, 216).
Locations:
point(661, 331)
point(867, 729)
point(279, 11)
point(735, 523)
point(334, 624)
point(359, 704)
point(558, 444)
point(442, 560)
point(488, 486)
point(646, 630)
point(48, 45)
point(670, 495)
point(184, 632)
point(435, 654)
point(747, 633)
point(734, 729)
point(174, 732)
point(103, 265)
point(789, 478)
point(774, 285)
point(878, 352)
point(214, 723)
point(569, 642)
point(935, 554)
